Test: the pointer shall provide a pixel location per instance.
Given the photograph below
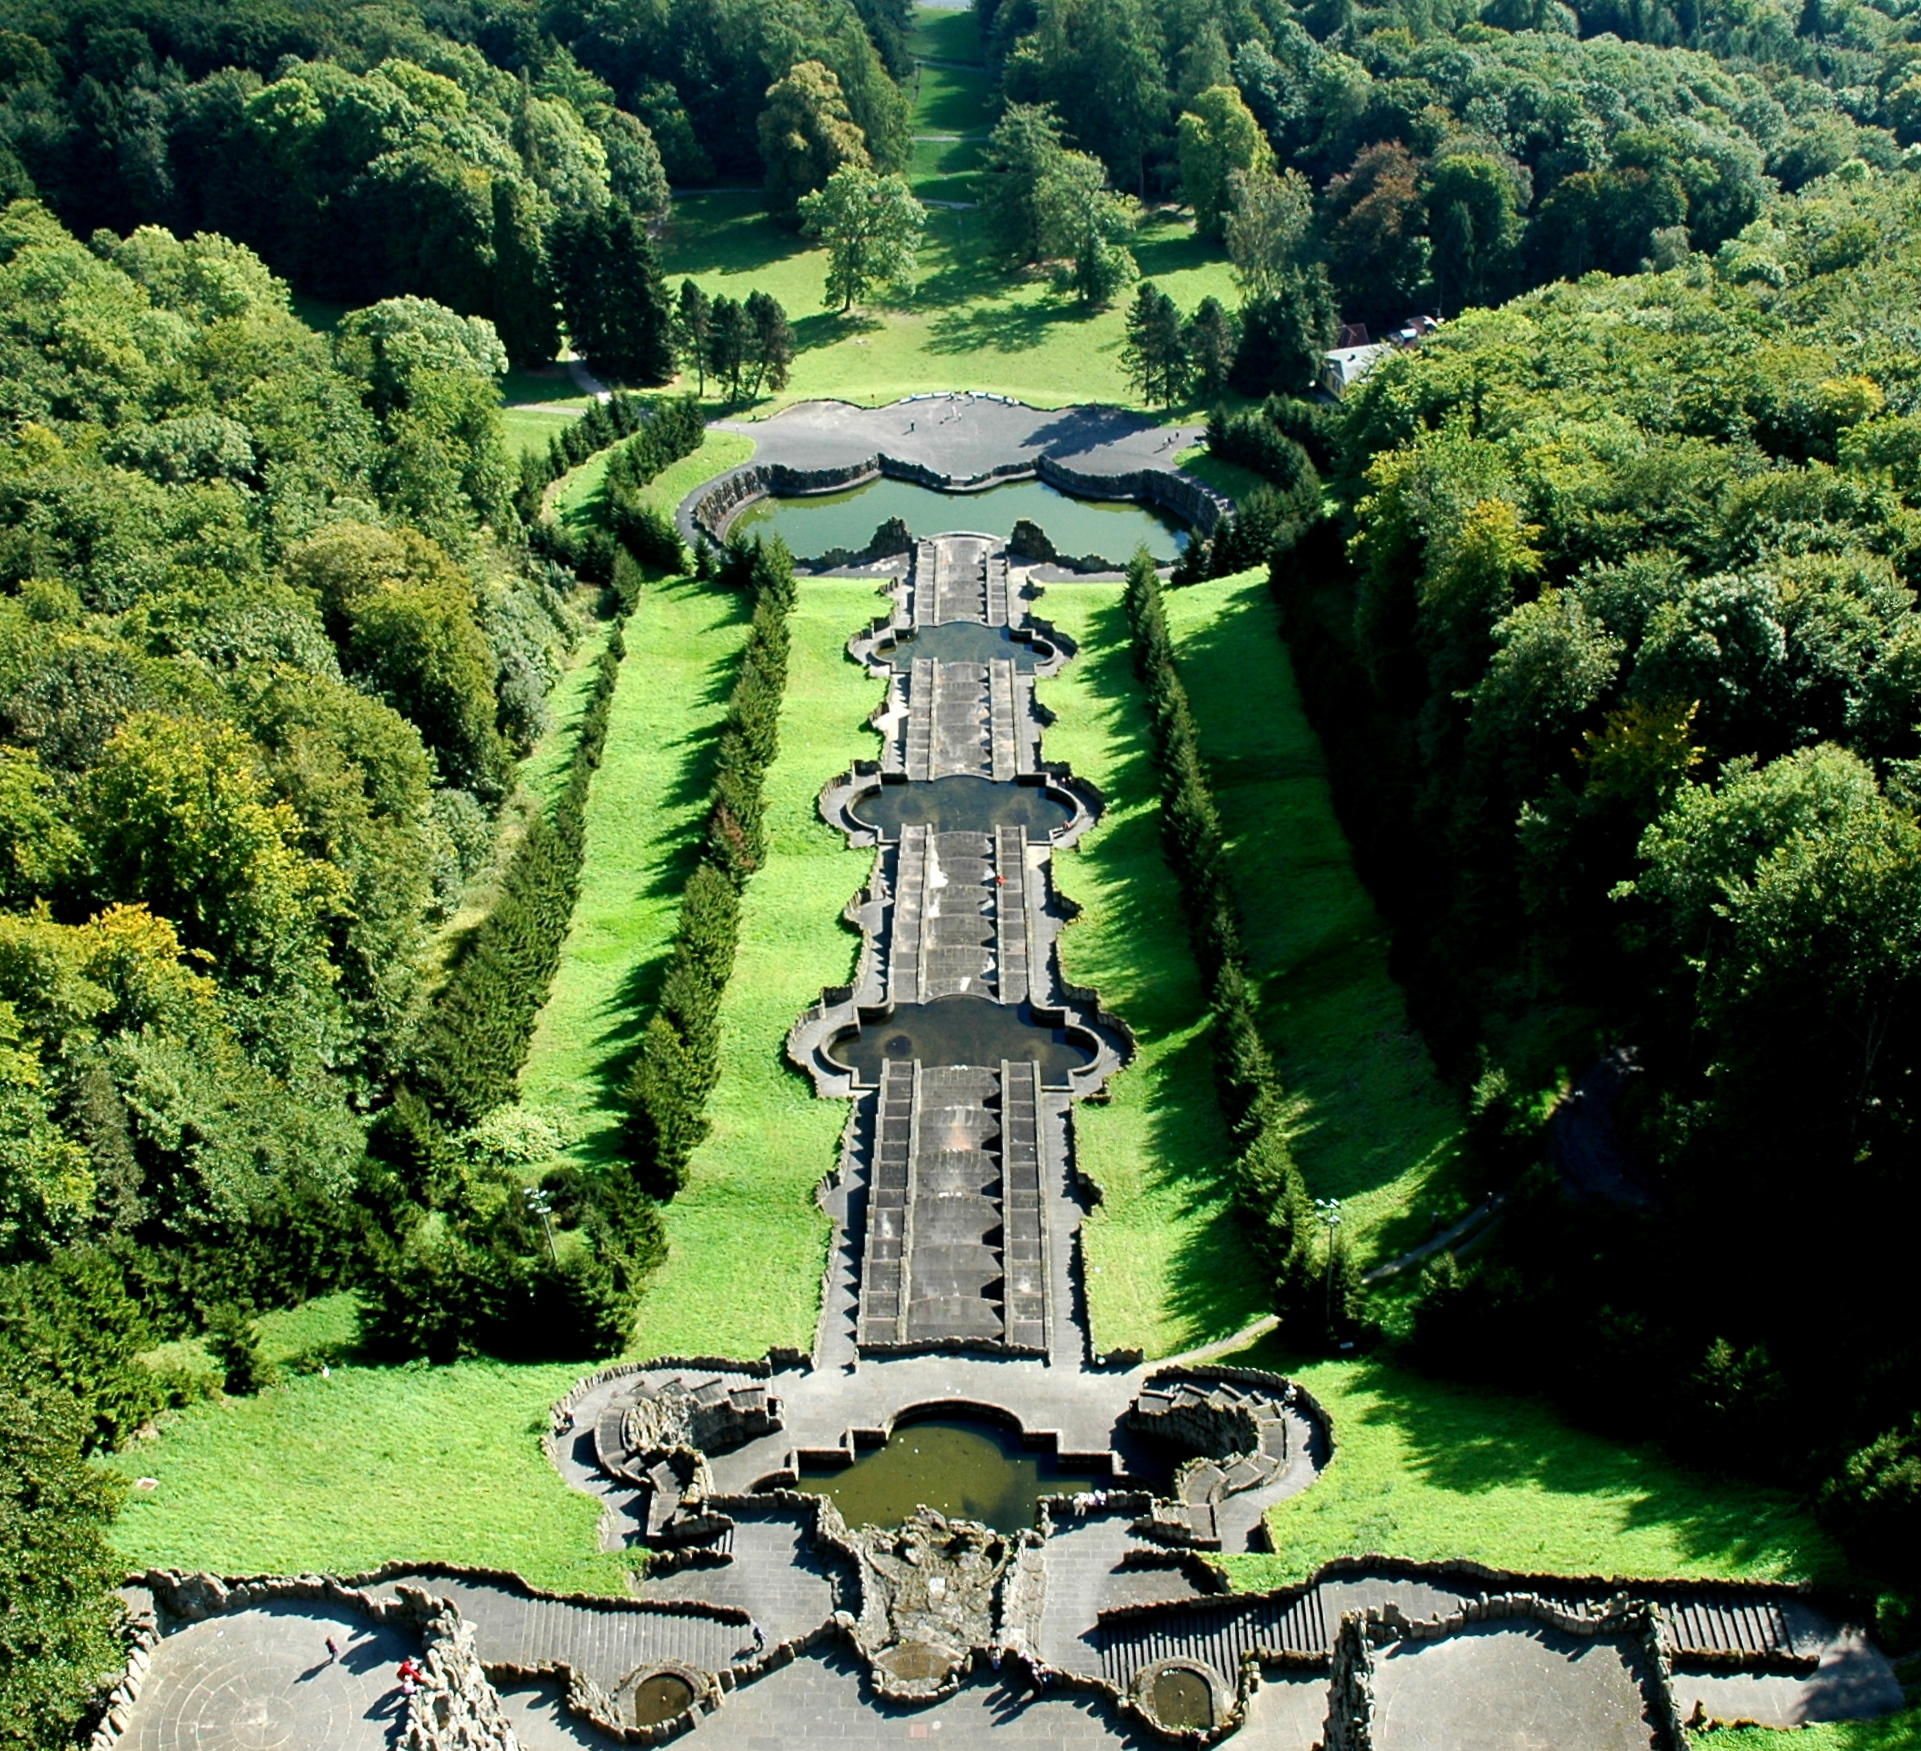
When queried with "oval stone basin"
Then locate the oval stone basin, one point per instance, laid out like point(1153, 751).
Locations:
point(962, 804)
point(966, 641)
point(961, 1030)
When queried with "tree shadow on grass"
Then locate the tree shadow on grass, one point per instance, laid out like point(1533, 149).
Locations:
point(725, 234)
point(1468, 1443)
point(1002, 328)
point(1173, 253)
point(1213, 1283)
point(1366, 1104)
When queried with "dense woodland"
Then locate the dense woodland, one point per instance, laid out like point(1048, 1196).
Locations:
point(1603, 600)
point(1628, 650)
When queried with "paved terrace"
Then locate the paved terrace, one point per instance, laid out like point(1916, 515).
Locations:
point(965, 436)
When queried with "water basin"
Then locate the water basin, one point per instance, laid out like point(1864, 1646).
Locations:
point(966, 1468)
point(960, 1030)
point(661, 1697)
point(1181, 1698)
point(962, 804)
point(966, 641)
point(824, 521)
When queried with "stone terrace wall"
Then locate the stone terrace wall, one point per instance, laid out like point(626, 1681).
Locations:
point(708, 514)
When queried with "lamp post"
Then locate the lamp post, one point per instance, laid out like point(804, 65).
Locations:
point(1329, 1211)
point(542, 1206)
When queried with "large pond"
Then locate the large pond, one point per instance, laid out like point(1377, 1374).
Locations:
point(825, 521)
point(965, 1468)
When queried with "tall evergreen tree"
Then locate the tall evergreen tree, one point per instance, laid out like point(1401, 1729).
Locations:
point(693, 317)
point(729, 343)
point(773, 341)
point(612, 294)
point(1156, 349)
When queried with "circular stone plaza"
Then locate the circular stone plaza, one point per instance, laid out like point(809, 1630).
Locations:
point(953, 1300)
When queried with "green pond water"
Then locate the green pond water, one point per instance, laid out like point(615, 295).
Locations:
point(963, 1468)
point(1110, 528)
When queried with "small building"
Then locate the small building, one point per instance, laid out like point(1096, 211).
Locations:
point(1355, 355)
point(1347, 365)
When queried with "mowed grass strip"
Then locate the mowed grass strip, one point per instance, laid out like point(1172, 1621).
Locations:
point(1166, 1265)
point(370, 1465)
point(1898, 1732)
point(648, 800)
point(963, 324)
point(1371, 1121)
point(1426, 1470)
point(747, 1243)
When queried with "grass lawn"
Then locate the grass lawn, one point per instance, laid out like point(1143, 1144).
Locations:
point(1166, 1267)
point(579, 493)
point(946, 34)
point(964, 324)
point(1427, 1470)
point(371, 1465)
point(747, 1242)
point(683, 644)
point(1891, 1733)
point(529, 428)
point(1373, 1125)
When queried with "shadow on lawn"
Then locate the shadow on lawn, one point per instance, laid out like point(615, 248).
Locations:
point(1213, 1282)
point(1470, 1443)
point(725, 234)
point(693, 776)
point(1366, 1104)
point(1003, 328)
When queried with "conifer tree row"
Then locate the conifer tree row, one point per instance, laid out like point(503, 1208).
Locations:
point(679, 1059)
point(1267, 1181)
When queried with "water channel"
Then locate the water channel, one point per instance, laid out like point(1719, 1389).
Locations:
point(824, 521)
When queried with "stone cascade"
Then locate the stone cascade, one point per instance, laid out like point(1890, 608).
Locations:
point(1243, 1438)
point(957, 1153)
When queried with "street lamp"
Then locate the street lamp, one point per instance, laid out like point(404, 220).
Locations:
point(539, 1204)
point(1329, 1211)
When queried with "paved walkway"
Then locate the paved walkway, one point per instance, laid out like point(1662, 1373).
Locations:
point(965, 436)
point(1507, 1689)
point(262, 1680)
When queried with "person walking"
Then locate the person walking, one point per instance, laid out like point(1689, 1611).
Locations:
point(333, 1650)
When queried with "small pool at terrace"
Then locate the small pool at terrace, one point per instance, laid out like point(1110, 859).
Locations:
point(824, 521)
point(964, 1467)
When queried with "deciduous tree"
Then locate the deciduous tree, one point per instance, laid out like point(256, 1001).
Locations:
point(871, 227)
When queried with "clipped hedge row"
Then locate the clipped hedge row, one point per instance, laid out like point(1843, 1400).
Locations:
point(1267, 1181)
point(656, 434)
point(604, 423)
point(468, 1054)
point(679, 1059)
point(675, 429)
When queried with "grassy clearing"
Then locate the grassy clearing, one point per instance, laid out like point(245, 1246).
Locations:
point(964, 323)
point(1892, 1733)
point(1426, 1470)
point(1372, 1123)
point(747, 1242)
point(1167, 1269)
point(550, 385)
point(683, 641)
point(952, 99)
point(529, 428)
point(369, 1465)
point(941, 34)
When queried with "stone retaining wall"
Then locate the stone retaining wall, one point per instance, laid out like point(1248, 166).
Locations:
point(709, 513)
